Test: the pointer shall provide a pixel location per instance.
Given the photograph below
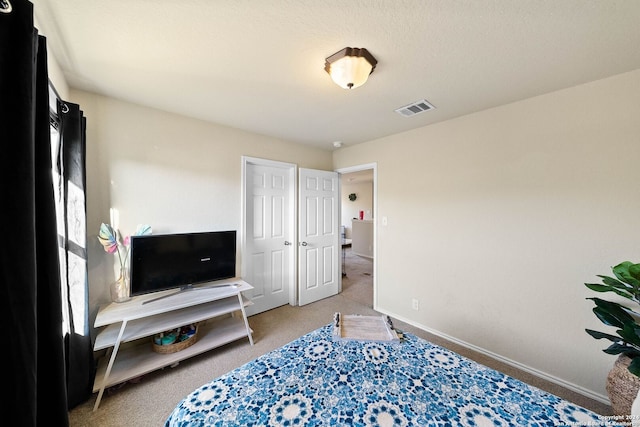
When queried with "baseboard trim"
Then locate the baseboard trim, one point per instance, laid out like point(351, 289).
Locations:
point(540, 374)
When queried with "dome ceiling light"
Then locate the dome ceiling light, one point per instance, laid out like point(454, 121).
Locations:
point(350, 67)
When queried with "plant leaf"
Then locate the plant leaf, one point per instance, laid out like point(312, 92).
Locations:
point(630, 334)
point(622, 272)
point(623, 292)
point(143, 230)
point(634, 367)
point(617, 348)
point(614, 282)
point(634, 271)
point(108, 239)
point(611, 313)
point(598, 335)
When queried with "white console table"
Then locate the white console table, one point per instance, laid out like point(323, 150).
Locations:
point(147, 315)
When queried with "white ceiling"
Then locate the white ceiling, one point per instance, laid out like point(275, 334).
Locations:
point(259, 65)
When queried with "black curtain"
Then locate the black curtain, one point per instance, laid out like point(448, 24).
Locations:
point(34, 374)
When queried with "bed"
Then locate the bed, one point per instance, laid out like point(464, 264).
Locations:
point(325, 379)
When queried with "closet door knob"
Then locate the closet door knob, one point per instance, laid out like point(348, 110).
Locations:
point(303, 243)
point(287, 243)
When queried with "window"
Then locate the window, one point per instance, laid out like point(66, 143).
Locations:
point(71, 225)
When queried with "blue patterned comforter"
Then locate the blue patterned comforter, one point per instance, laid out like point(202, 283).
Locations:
point(318, 380)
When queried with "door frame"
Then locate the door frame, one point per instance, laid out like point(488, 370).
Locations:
point(293, 211)
point(358, 168)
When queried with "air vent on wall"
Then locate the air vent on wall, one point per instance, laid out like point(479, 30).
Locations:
point(415, 108)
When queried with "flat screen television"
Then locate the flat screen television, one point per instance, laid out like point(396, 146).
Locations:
point(179, 261)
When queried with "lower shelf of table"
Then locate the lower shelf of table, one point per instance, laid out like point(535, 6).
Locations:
point(140, 359)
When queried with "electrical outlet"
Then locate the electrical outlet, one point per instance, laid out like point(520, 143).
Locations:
point(415, 304)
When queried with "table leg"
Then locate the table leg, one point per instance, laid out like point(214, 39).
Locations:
point(110, 365)
point(244, 317)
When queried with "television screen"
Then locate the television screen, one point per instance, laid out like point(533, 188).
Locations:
point(166, 261)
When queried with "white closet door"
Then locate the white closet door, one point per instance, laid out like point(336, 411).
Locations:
point(269, 255)
point(318, 235)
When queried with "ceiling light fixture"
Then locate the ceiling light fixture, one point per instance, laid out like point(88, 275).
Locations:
point(350, 67)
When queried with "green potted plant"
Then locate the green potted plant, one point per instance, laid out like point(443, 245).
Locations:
point(623, 381)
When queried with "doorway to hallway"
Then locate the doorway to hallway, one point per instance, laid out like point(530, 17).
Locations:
point(358, 195)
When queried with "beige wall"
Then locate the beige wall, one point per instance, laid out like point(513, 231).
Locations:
point(514, 209)
point(56, 76)
point(363, 202)
point(174, 173)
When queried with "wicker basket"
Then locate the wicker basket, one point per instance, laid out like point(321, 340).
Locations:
point(175, 347)
point(622, 386)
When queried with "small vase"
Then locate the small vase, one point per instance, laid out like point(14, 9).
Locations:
point(120, 288)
